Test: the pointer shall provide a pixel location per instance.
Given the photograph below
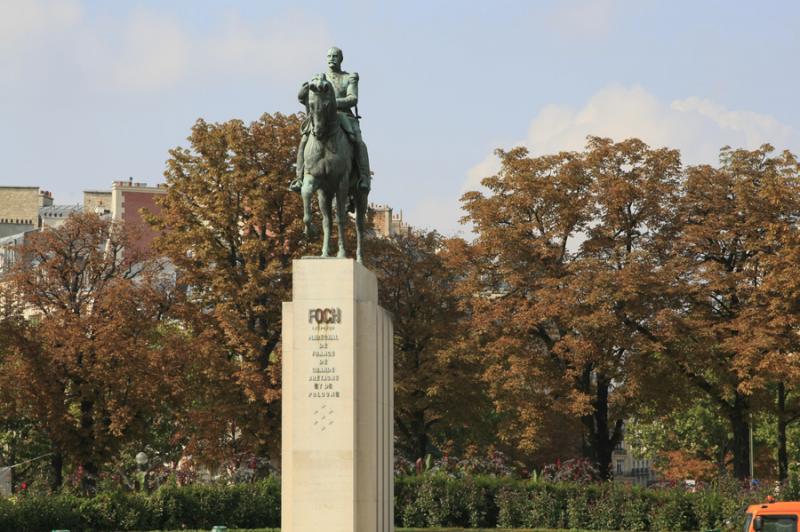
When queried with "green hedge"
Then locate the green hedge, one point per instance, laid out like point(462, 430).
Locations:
point(429, 501)
point(439, 501)
point(171, 508)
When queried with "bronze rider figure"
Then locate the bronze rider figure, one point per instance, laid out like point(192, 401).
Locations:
point(346, 88)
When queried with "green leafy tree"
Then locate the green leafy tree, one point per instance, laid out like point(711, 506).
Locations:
point(693, 433)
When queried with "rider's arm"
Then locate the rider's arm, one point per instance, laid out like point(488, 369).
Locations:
point(351, 99)
point(302, 96)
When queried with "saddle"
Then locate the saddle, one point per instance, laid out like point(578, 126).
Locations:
point(344, 123)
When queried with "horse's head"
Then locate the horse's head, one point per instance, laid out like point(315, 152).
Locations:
point(321, 105)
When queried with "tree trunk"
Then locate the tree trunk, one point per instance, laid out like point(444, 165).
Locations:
point(420, 435)
point(783, 457)
point(57, 467)
point(600, 440)
point(737, 417)
point(89, 477)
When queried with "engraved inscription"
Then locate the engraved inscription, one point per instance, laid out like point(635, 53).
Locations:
point(325, 315)
point(323, 379)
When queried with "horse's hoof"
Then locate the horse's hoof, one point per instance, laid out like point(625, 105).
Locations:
point(341, 254)
point(359, 259)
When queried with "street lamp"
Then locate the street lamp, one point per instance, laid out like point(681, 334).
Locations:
point(141, 461)
point(141, 464)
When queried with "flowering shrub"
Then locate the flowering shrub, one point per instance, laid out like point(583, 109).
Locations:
point(403, 467)
point(577, 470)
point(496, 464)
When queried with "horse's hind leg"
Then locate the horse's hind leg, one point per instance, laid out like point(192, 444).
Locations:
point(306, 192)
point(325, 208)
point(341, 216)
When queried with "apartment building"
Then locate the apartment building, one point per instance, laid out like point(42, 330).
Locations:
point(19, 209)
point(25, 210)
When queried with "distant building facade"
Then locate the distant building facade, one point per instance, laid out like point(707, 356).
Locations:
point(97, 201)
point(28, 209)
point(19, 209)
point(629, 468)
point(129, 201)
point(53, 216)
point(9, 246)
point(386, 222)
point(25, 210)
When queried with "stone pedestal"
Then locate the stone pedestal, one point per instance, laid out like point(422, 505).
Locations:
point(337, 438)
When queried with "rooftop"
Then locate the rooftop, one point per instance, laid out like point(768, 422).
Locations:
point(13, 239)
point(58, 211)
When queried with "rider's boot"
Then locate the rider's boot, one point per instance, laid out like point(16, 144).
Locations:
point(297, 184)
point(365, 177)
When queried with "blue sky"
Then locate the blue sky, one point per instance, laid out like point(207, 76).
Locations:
point(95, 91)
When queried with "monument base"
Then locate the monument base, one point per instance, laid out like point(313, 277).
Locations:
point(337, 430)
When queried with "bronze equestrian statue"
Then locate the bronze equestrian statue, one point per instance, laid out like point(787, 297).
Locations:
point(332, 158)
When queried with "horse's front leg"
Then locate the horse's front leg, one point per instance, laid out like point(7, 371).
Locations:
point(361, 211)
point(341, 215)
point(306, 192)
point(325, 209)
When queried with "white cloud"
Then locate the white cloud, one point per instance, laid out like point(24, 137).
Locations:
point(147, 49)
point(697, 127)
point(756, 128)
point(487, 167)
point(24, 21)
point(159, 53)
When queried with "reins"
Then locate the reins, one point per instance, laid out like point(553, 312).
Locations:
point(333, 129)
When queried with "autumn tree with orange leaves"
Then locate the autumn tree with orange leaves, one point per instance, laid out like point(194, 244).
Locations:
point(231, 228)
point(87, 356)
point(729, 302)
point(563, 242)
point(440, 402)
point(610, 278)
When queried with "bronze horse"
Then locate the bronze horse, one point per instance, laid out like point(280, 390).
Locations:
point(329, 169)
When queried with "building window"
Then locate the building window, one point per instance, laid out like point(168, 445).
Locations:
point(620, 465)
